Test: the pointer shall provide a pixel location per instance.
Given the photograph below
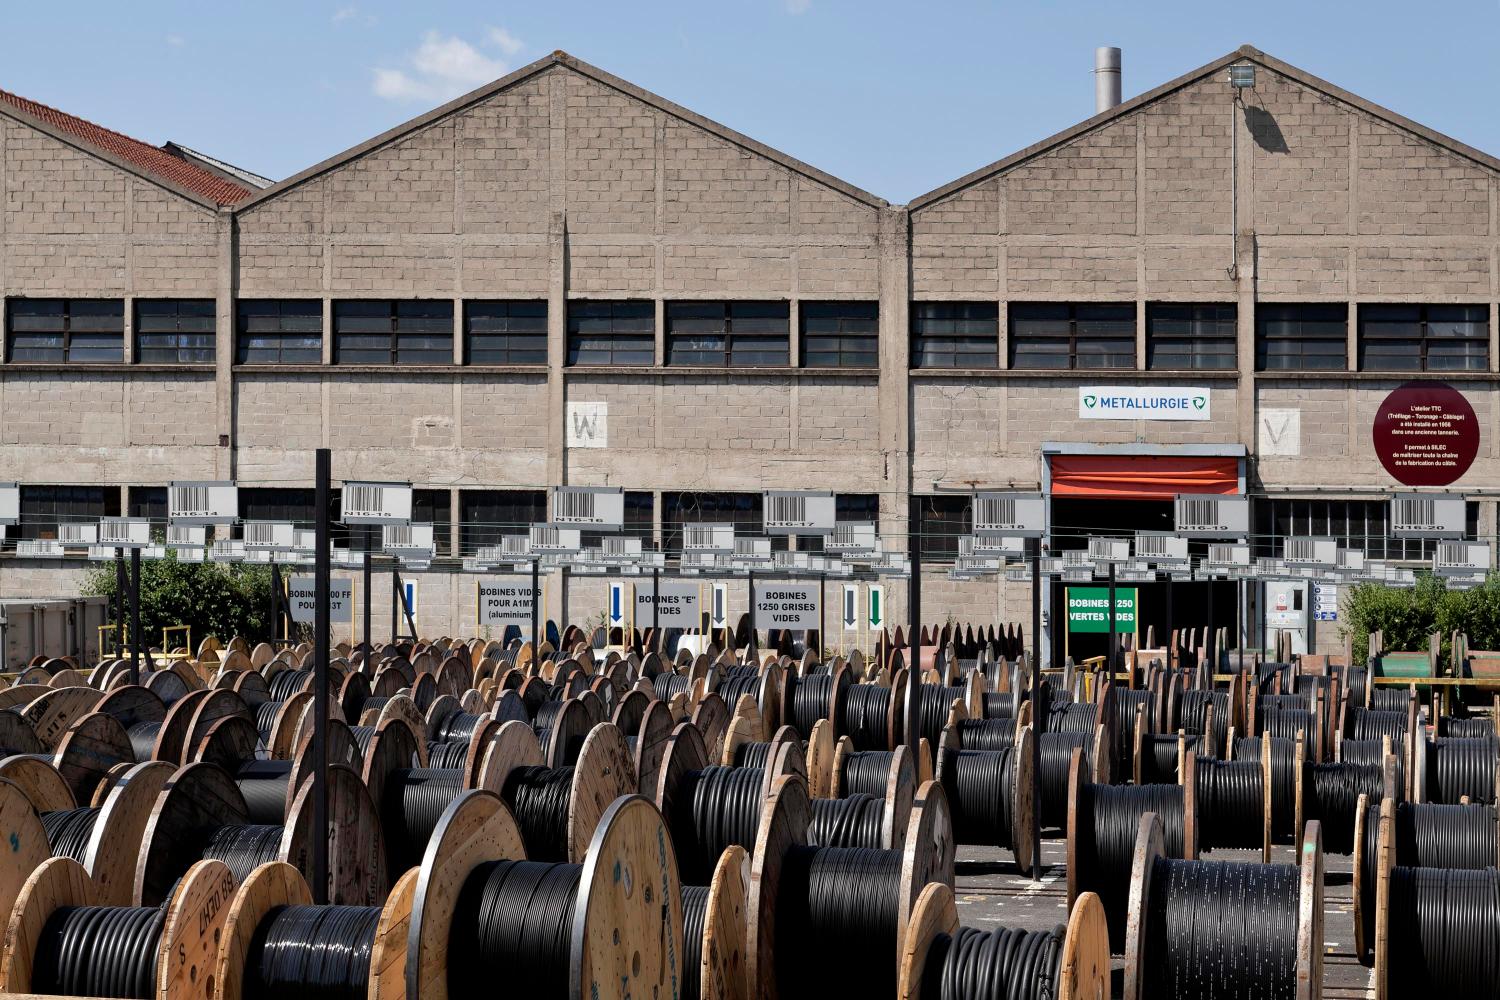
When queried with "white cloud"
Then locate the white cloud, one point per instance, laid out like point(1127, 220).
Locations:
point(505, 41)
point(345, 13)
point(176, 41)
point(797, 6)
point(442, 67)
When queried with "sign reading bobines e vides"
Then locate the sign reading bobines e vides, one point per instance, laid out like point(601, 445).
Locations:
point(1113, 402)
point(1425, 434)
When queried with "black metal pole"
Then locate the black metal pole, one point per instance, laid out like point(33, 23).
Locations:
point(135, 616)
point(822, 617)
point(1213, 637)
point(1038, 709)
point(121, 586)
point(369, 642)
point(1111, 616)
point(322, 571)
point(395, 604)
point(536, 599)
point(655, 595)
point(914, 587)
point(1171, 639)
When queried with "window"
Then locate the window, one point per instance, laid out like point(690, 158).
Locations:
point(1418, 338)
point(611, 333)
point(505, 333)
point(1357, 524)
point(44, 507)
point(1302, 337)
point(174, 331)
point(955, 335)
point(1048, 335)
point(728, 334)
point(279, 332)
point(147, 501)
point(861, 507)
point(393, 332)
point(840, 334)
point(743, 510)
point(640, 521)
point(58, 331)
point(488, 514)
point(944, 518)
point(434, 507)
point(1196, 336)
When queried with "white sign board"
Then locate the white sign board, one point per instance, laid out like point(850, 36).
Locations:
point(301, 599)
point(675, 605)
point(1325, 602)
point(506, 601)
point(786, 605)
point(1428, 515)
point(593, 507)
point(1022, 515)
point(1209, 515)
point(269, 535)
point(788, 512)
point(1279, 433)
point(203, 503)
point(375, 503)
point(1113, 402)
point(588, 425)
point(10, 503)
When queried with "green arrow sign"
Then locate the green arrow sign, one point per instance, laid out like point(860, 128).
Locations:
point(1088, 608)
point(877, 606)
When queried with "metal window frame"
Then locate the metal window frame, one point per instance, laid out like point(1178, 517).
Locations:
point(1229, 339)
point(1424, 338)
point(392, 307)
point(572, 333)
point(1072, 339)
point(843, 336)
point(728, 351)
point(469, 334)
point(915, 336)
point(66, 332)
point(281, 333)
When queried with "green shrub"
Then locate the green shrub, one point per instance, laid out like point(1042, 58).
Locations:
point(211, 598)
point(1409, 616)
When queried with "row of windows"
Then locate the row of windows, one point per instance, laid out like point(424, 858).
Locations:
point(485, 515)
point(960, 335)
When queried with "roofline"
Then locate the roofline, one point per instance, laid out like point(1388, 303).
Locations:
point(1244, 52)
point(31, 121)
point(219, 168)
point(561, 58)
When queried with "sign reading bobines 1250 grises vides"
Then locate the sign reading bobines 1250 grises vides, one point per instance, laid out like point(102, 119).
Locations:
point(1426, 434)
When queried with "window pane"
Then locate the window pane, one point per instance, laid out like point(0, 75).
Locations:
point(1301, 337)
point(279, 331)
point(611, 333)
point(955, 334)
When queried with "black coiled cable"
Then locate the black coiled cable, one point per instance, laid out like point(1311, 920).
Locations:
point(1287, 723)
point(1332, 797)
point(287, 683)
point(1445, 927)
point(447, 755)
point(715, 808)
point(265, 720)
point(853, 821)
point(68, 831)
point(844, 900)
point(1356, 681)
point(1192, 713)
point(458, 727)
point(811, 702)
point(987, 734)
point(1126, 704)
point(513, 918)
point(1230, 804)
point(669, 686)
point(1002, 964)
point(1466, 729)
point(1372, 752)
point(1159, 756)
point(867, 771)
point(539, 797)
point(244, 848)
point(1283, 781)
point(1075, 717)
point(1055, 756)
point(737, 685)
point(143, 740)
point(1108, 822)
point(981, 789)
point(1391, 699)
point(752, 754)
point(1221, 931)
point(414, 800)
point(99, 951)
point(312, 953)
point(546, 716)
point(1459, 767)
point(264, 783)
point(694, 917)
point(934, 703)
point(865, 716)
point(999, 704)
point(1372, 724)
point(362, 737)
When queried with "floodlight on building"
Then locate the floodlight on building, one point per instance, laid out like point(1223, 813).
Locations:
point(1242, 77)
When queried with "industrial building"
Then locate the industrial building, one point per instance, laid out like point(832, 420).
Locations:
point(563, 279)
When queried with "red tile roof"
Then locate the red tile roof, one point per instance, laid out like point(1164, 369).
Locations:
point(150, 159)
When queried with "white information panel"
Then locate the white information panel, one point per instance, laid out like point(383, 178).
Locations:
point(505, 601)
point(375, 503)
point(10, 503)
point(203, 503)
point(789, 512)
point(674, 605)
point(589, 506)
point(301, 599)
point(786, 605)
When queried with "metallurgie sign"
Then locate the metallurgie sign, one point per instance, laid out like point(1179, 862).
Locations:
point(1110, 402)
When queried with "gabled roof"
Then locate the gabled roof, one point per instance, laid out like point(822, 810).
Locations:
point(152, 162)
point(214, 165)
point(560, 58)
point(1245, 53)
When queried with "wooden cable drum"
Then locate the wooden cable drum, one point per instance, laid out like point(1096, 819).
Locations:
point(108, 835)
point(937, 952)
point(804, 897)
point(64, 940)
point(894, 789)
point(39, 781)
point(1204, 930)
point(17, 736)
point(648, 743)
point(714, 932)
point(54, 710)
point(712, 717)
point(85, 754)
point(989, 793)
point(276, 939)
point(21, 828)
point(607, 929)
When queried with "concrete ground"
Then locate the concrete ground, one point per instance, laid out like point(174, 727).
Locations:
point(990, 893)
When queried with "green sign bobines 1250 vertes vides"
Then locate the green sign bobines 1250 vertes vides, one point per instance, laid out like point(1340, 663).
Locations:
point(1088, 609)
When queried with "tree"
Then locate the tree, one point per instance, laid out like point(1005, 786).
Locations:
point(210, 598)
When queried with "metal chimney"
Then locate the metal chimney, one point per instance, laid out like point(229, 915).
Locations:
point(1106, 78)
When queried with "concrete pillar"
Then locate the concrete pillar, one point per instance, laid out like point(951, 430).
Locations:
point(224, 460)
point(894, 389)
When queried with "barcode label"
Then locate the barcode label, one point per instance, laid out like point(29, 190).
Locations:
point(619, 545)
point(1211, 516)
point(77, 534)
point(1461, 555)
point(573, 506)
point(786, 510)
point(185, 534)
point(1300, 550)
point(375, 503)
point(547, 538)
point(1413, 513)
point(398, 536)
point(515, 545)
point(203, 503)
point(39, 548)
point(1198, 513)
point(698, 536)
point(364, 501)
point(189, 501)
point(995, 513)
point(260, 533)
point(1151, 546)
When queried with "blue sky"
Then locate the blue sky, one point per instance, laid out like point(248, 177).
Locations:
point(896, 98)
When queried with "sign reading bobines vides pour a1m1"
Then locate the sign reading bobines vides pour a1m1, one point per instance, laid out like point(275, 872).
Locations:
point(1425, 434)
point(1114, 402)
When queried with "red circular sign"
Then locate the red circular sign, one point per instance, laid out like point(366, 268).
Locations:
point(1426, 434)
